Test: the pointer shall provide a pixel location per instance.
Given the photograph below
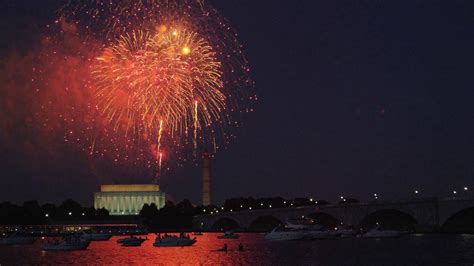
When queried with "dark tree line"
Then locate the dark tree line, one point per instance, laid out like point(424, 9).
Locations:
point(30, 212)
point(170, 217)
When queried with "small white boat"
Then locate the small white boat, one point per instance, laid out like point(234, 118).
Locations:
point(174, 241)
point(345, 233)
point(378, 233)
point(281, 233)
point(17, 239)
point(92, 236)
point(67, 245)
point(228, 235)
point(320, 234)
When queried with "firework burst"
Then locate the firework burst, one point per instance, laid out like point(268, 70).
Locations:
point(163, 75)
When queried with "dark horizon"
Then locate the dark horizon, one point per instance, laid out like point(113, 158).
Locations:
point(354, 99)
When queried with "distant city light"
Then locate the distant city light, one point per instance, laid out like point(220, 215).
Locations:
point(230, 210)
point(416, 191)
point(454, 192)
point(241, 206)
point(85, 214)
point(261, 204)
point(284, 202)
point(311, 199)
point(342, 197)
point(270, 206)
point(204, 210)
point(212, 212)
point(222, 208)
point(217, 211)
point(46, 215)
point(70, 213)
point(375, 194)
point(250, 208)
point(291, 204)
point(465, 188)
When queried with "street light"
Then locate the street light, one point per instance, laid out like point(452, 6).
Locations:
point(416, 191)
point(342, 197)
point(46, 215)
point(250, 208)
point(465, 188)
point(269, 206)
point(70, 213)
point(454, 192)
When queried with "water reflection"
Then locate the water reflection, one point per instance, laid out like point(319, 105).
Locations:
point(412, 250)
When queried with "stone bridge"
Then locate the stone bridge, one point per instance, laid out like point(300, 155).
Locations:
point(426, 212)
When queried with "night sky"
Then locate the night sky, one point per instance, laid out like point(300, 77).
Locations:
point(355, 98)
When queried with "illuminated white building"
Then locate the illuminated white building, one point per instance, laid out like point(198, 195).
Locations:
point(128, 199)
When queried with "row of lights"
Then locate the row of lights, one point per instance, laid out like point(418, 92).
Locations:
point(316, 202)
point(261, 204)
point(69, 213)
point(418, 192)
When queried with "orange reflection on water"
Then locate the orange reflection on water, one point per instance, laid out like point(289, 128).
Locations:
point(203, 252)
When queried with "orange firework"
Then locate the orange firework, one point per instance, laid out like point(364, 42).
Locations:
point(165, 75)
point(148, 82)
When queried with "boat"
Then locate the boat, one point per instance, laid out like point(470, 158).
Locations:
point(300, 229)
point(131, 241)
point(346, 232)
point(174, 241)
point(67, 244)
point(281, 233)
point(228, 235)
point(319, 234)
point(311, 230)
point(93, 236)
point(17, 239)
point(378, 232)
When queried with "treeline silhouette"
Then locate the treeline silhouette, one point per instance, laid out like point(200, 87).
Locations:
point(32, 213)
point(171, 217)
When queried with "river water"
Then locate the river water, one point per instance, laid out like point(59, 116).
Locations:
point(405, 250)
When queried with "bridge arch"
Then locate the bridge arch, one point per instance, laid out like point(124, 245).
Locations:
point(325, 219)
point(225, 223)
point(389, 219)
point(461, 221)
point(264, 223)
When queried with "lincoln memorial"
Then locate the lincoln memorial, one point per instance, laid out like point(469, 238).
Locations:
point(128, 199)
